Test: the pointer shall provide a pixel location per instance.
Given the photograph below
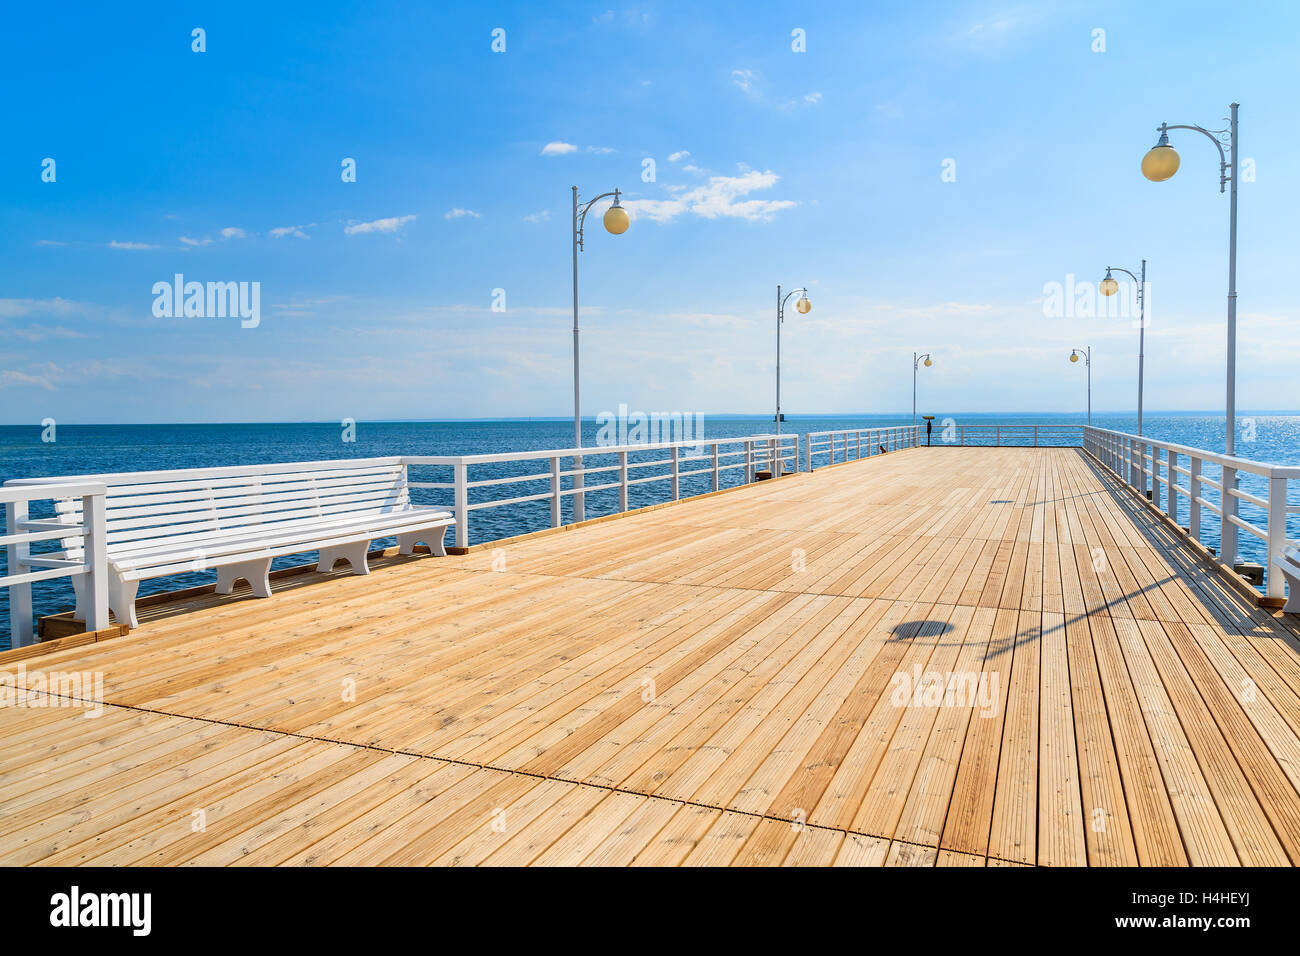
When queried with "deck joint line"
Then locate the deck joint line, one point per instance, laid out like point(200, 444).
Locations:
point(492, 767)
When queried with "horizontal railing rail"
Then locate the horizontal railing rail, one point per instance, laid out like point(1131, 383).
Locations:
point(613, 468)
point(82, 551)
point(843, 445)
point(1149, 466)
point(1009, 435)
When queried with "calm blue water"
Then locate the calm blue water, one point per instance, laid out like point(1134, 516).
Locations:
point(89, 449)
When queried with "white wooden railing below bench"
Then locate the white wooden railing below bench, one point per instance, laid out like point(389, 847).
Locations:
point(237, 520)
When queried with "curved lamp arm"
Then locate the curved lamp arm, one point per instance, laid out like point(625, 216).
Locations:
point(916, 360)
point(582, 214)
point(781, 311)
point(1212, 136)
point(1136, 281)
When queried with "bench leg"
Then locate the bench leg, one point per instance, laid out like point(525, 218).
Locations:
point(1292, 605)
point(433, 537)
point(354, 554)
point(121, 599)
point(257, 573)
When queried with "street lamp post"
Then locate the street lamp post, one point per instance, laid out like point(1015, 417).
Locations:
point(803, 305)
point(1160, 163)
point(1086, 352)
point(616, 222)
point(917, 359)
point(1109, 286)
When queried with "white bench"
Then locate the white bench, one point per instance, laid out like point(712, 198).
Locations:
point(1289, 565)
point(237, 520)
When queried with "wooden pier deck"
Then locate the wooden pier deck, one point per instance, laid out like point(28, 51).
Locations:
point(707, 683)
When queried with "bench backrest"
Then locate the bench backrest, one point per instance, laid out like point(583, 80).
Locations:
point(156, 506)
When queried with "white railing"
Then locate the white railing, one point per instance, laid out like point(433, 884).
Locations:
point(1018, 436)
point(88, 541)
point(848, 444)
point(1146, 464)
point(752, 453)
point(629, 466)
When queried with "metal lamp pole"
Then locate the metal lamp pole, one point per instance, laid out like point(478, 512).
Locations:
point(916, 363)
point(1142, 323)
point(617, 226)
point(803, 305)
point(1160, 163)
point(1086, 352)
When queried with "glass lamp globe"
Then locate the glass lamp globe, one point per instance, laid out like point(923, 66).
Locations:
point(1160, 163)
point(1108, 286)
point(803, 305)
point(617, 220)
point(928, 363)
point(1074, 356)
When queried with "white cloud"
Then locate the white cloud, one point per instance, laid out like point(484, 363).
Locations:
point(37, 333)
point(602, 150)
point(233, 232)
point(391, 224)
point(812, 97)
point(558, 149)
point(13, 308)
point(195, 242)
point(691, 168)
point(11, 377)
point(279, 232)
point(720, 197)
point(459, 213)
point(678, 156)
point(743, 79)
point(540, 216)
point(50, 242)
point(118, 244)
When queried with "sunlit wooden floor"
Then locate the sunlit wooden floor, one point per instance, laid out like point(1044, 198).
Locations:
point(709, 683)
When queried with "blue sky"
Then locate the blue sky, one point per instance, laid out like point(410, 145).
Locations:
point(821, 168)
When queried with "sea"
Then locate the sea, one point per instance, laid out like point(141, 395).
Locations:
point(26, 452)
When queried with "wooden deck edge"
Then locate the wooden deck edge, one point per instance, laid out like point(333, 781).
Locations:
point(1204, 555)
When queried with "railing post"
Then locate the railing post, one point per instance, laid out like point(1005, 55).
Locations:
point(555, 492)
point(677, 491)
point(20, 595)
point(1276, 586)
point(579, 499)
point(749, 462)
point(773, 468)
point(1228, 505)
point(461, 508)
point(94, 512)
point(715, 465)
point(859, 446)
point(622, 479)
point(1171, 492)
point(1035, 436)
point(1194, 494)
point(999, 437)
